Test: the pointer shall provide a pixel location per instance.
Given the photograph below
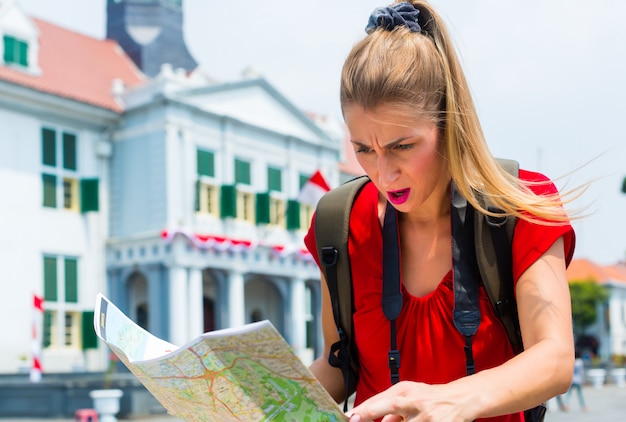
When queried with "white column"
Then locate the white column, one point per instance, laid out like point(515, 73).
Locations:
point(179, 293)
point(236, 300)
point(225, 166)
point(196, 310)
point(173, 182)
point(298, 309)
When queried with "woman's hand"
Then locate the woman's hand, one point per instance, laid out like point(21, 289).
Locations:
point(416, 402)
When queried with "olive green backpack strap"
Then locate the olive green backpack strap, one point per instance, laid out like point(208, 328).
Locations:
point(332, 220)
point(493, 240)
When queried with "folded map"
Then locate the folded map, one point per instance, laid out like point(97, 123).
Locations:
point(248, 373)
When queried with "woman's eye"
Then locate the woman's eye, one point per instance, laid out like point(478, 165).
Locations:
point(403, 147)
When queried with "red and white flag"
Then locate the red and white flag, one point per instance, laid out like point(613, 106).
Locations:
point(35, 369)
point(313, 190)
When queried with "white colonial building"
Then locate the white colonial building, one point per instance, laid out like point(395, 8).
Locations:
point(607, 337)
point(171, 193)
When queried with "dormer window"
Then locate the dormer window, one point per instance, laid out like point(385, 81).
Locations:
point(15, 51)
point(19, 47)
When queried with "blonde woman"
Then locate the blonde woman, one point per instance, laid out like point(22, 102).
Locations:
point(416, 134)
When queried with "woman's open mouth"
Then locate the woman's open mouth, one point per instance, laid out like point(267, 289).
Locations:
point(398, 197)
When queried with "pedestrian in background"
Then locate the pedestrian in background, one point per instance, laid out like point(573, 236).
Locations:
point(577, 383)
point(561, 403)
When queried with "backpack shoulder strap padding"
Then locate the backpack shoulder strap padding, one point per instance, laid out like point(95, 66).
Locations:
point(493, 239)
point(332, 221)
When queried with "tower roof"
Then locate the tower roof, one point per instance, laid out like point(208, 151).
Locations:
point(151, 33)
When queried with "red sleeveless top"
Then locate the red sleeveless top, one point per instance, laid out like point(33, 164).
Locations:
point(431, 348)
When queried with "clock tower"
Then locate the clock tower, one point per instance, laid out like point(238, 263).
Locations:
point(150, 32)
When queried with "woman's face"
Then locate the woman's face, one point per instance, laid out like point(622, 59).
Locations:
point(402, 155)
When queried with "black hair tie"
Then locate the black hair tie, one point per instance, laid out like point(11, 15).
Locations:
point(389, 17)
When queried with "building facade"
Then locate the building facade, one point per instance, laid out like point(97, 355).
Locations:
point(170, 193)
point(207, 233)
point(607, 337)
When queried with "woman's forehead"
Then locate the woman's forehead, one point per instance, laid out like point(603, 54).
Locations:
point(386, 114)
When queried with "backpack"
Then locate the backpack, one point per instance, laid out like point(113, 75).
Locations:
point(492, 237)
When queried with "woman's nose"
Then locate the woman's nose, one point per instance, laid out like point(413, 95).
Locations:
point(387, 170)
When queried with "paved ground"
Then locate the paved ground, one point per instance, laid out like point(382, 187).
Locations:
point(605, 404)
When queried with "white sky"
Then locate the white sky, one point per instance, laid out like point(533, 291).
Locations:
point(547, 77)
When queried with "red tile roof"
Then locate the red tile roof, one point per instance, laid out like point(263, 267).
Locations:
point(584, 270)
point(77, 66)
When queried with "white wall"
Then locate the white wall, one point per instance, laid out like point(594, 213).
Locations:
point(29, 231)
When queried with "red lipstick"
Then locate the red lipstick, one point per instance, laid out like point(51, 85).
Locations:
point(398, 197)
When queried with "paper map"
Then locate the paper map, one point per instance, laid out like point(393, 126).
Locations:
point(239, 374)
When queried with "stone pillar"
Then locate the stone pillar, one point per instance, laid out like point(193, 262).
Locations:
point(158, 299)
point(298, 317)
point(236, 299)
point(178, 298)
point(196, 309)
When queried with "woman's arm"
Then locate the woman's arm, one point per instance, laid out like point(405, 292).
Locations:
point(546, 366)
point(542, 371)
point(330, 377)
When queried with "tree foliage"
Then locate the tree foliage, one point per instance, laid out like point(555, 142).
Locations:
point(586, 295)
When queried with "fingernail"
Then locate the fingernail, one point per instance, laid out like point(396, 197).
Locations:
point(355, 417)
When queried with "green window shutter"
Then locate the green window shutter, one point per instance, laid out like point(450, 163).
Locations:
point(293, 215)
point(48, 147)
point(206, 163)
point(71, 280)
point(303, 179)
point(196, 203)
point(228, 201)
point(274, 179)
point(242, 172)
point(47, 328)
point(49, 190)
point(9, 49)
point(22, 53)
point(15, 51)
point(89, 338)
point(89, 195)
point(50, 279)
point(262, 208)
point(310, 334)
point(69, 151)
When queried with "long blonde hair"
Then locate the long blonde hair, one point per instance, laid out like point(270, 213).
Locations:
point(419, 72)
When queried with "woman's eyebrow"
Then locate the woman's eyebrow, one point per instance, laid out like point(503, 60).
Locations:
point(359, 144)
point(391, 144)
point(395, 142)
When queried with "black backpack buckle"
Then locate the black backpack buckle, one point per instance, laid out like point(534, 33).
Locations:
point(329, 256)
